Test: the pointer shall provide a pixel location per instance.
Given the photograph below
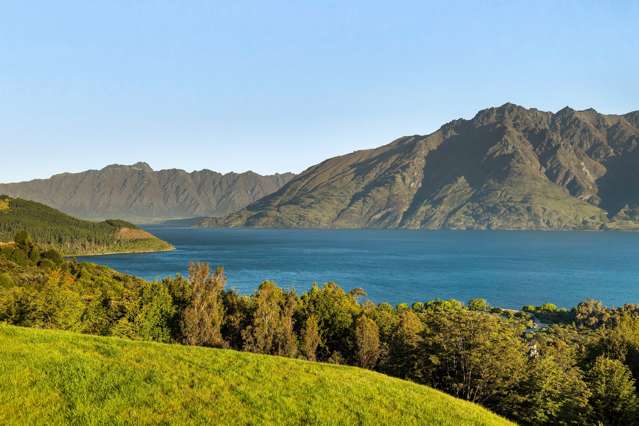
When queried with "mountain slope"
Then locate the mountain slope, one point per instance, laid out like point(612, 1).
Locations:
point(52, 229)
point(507, 168)
point(140, 194)
point(56, 377)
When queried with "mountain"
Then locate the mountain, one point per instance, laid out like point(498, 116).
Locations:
point(139, 194)
point(106, 380)
point(51, 228)
point(506, 168)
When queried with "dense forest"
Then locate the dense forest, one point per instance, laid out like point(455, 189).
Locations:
point(53, 229)
point(541, 365)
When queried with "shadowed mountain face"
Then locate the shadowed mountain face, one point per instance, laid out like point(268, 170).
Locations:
point(507, 168)
point(139, 194)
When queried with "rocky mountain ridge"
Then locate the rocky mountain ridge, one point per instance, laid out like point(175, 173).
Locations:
point(506, 168)
point(139, 194)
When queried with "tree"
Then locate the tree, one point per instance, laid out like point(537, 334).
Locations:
point(149, 309)
point(552, 390)
point(334, 310)
point(367, 342)
point(53, 255)
point(237, 318)
point(614, 400)
point(310, 338)
point(202, 319)
point(181, 292)
point(478, 305)
point(591, 314)
point(286, 338)
point(473, 355)
point(621, 342)
point(23, 240)
point(271, 329)
point(404, 346)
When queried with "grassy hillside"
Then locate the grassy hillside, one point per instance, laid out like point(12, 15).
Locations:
point(56, 377)
point(51, 228)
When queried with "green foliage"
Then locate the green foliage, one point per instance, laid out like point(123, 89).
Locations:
point(478, 305)
point(367, 342)
point(6, 281)
point(22, 240)
point(553, 390)
point(549, 313)
point(146, 314)
point(470, 354)
point(404, 346)
point(567, 373)
point(203, 317)
point(28, 222)
point(271, 325)
point(443, 305)
point(335, 311)
point(614, 399)
point(620, 341)
point(310, 338)
point(591, 313)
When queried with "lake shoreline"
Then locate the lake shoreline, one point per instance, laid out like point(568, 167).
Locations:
point(172, 248)
point(508, 269)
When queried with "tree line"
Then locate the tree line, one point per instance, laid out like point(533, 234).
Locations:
point(53, 229)
point(579, 368)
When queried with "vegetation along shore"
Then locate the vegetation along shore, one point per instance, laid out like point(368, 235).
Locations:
point(52, 229)
point(579, 368)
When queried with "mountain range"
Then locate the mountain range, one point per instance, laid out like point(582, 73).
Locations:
point(506, 168)
point(139, 194)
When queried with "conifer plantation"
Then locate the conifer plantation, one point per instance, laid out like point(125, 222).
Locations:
point(52, 229)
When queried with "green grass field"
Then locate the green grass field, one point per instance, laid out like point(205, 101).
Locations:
point(54, 377)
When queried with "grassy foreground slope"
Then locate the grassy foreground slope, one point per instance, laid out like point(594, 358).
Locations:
point(51, 228)
point(54, 377)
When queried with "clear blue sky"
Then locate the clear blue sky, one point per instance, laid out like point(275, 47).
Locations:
point(280, 85)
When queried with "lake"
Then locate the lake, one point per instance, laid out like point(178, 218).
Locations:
point(509, 269)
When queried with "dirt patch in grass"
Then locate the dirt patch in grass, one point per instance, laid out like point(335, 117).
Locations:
point(128, 234)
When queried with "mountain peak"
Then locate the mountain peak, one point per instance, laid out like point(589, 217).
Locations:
point(509, 106)
point(139, 194)
point(510, 167)
point(141, 165)
point(565, 111)
point(500, 113)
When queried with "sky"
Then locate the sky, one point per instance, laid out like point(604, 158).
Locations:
point(276, 86)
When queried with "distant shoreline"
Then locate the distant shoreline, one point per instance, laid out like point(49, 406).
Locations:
point(172, 248)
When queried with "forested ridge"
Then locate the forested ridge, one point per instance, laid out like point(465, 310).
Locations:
point(51, 228)
point(579, 367)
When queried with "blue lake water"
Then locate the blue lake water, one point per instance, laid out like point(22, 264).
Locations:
point(509, 269)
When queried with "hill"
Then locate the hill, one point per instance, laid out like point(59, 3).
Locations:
point(139, 194)
point(59, 377)
point(50, 228)
point(506, 168)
